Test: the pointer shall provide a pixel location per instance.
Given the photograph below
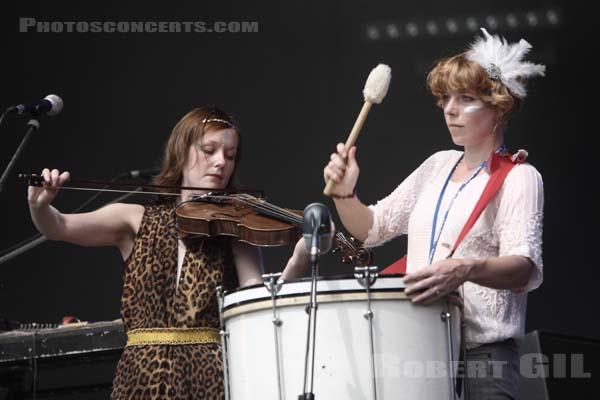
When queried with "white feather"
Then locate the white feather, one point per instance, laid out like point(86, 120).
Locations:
point(508, 58)
point(377, 84)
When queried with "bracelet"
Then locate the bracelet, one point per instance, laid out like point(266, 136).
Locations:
point(347, 196)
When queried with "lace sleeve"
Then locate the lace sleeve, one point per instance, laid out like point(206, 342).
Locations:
point(519, 220)
point(391, 214)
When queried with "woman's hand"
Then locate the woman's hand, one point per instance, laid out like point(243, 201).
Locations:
point(436, 280)
point(343, 170)
point(44, 195)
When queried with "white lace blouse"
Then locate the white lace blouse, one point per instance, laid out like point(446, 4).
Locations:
point(511, 224)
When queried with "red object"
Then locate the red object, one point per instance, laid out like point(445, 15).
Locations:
point(398, 267)
point(499, 167)
point(69, 319)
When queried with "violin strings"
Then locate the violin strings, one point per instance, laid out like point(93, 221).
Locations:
point(270, 208)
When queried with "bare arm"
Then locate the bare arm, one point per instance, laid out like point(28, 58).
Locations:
point(248, 263)
point(343, 170)
point(508, 272)
point(298, 262)
point(442, 277)
point(113, 225)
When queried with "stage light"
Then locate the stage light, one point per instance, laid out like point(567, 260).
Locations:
point(532, 18)
point(432, 28)
point(412, 29)
point(492, 22)
point(512, 20)
point(553, 17)
point(472, 24)
point(392, 31)
point(451, 25)
point(373, 32)
point(495, 21)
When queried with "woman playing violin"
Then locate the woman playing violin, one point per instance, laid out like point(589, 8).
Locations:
point(168, 304)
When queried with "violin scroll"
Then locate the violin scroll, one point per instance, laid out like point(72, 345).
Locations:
point(352, 253)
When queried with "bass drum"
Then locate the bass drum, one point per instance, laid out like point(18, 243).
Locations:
point(414, 346)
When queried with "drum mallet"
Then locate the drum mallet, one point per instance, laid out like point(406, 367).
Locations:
point(375, 90)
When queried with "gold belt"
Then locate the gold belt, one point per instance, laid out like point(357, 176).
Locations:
point(148, 336)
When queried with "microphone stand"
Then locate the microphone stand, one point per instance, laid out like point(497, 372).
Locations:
point(312, 318)
point(32, 126)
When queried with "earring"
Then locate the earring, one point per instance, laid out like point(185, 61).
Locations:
point(494, 129)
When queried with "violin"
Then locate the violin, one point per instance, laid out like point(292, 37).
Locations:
point(255, 221)
point(231, 213)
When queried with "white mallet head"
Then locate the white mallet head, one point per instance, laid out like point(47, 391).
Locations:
point(377, 84)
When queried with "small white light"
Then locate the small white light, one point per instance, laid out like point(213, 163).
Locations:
point(472, 24)
point(451, 25)
point(492, 22)
point(532, 19)
point(412, 29)
point(373, 32)
point(511, 20)
point(392, 31)
point(553, 17)
point(432, 27)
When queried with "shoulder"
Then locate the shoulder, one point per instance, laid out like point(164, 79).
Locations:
point(523, 188)
point(524, 173)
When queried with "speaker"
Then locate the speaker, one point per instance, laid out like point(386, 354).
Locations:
point(554, 366)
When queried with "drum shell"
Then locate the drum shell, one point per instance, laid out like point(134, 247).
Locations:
point(411, 342)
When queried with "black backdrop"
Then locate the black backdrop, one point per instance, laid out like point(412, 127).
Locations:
point(295, 85)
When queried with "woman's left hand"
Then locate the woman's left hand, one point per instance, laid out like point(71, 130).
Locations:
point(434, 281)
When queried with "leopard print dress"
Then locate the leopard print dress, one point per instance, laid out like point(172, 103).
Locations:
point(150, 300)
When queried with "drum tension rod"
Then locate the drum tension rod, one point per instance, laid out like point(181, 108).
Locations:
point(366, 276)
point(273, 283)
point(224, 335)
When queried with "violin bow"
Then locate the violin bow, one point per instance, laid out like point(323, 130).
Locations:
point(37, 180)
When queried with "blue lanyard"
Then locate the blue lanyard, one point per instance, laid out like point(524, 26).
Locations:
point(434, 241)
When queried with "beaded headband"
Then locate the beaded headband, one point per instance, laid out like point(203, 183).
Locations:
point(222, 121)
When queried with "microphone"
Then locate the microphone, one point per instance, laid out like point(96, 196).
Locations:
point(141, 173)
point(50, 105)
point(316, 229)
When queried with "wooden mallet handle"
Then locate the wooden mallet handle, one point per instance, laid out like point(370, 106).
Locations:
point(351, 139)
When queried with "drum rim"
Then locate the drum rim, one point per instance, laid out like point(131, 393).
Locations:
point(306, 291)
point(279, 297)
point(329, 297)
point(308, 279)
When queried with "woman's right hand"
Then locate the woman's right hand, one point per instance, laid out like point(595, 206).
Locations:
point(343, 170)
point(44, 195)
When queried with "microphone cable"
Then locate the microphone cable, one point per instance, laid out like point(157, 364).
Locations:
point(2, 116)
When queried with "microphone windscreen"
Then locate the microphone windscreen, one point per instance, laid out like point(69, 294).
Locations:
point(317, 218)
point(56, 104)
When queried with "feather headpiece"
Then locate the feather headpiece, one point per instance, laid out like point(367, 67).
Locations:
point(503, 61)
